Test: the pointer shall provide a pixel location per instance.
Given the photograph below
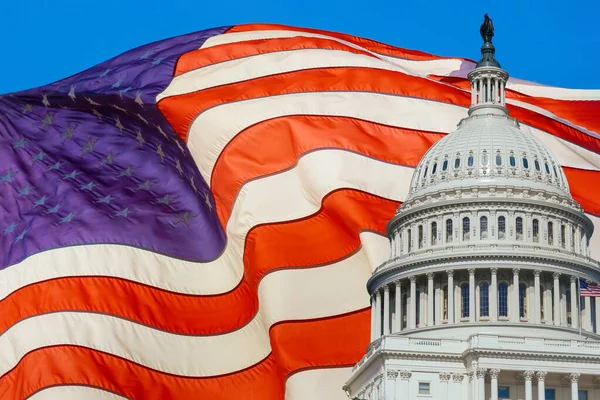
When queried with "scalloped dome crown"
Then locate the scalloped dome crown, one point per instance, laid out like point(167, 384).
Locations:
point(490, 150)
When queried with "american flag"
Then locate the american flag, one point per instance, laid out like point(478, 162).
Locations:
point(197, 218)
point(589, 289)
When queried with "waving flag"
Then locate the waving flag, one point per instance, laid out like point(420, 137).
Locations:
point(587, 290)
point(197, 218)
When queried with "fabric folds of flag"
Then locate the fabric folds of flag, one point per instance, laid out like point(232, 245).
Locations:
point(589, 290)
point(198, 217)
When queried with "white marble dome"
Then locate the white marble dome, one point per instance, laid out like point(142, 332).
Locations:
point(488, 150)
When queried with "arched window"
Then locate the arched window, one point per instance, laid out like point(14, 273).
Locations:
point(434, 169)
point(519, 229)
point(525, 163)
point(448, 230)
point(420, 232)
point(572, 239)
point(501, 227)
point(470, 160)
point(498, 159)
point(445, 165)
point(457, 162)
point(483, 227)
point(550, 233)
point(503, 299)
point(466, 228)
point(409, 240)
point(594, 320)
point(537, 165)
point(547, 168)
point(542, 308)
point(522, 300)
point(563, 236)
point(536, 230)
point(512, 161)
point(433, 233)
point(425, 172)
point(464, 300)
point(445, 302)
point(484, 303)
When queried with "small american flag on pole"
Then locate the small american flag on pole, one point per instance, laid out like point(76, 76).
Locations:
point(589, 289)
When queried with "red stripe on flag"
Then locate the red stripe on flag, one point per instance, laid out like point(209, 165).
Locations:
point(231, 51)
point(330, 342)
point(371, 45)
point(309, 242)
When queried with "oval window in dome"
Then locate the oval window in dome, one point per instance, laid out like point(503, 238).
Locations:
point(512, 161)
point(547, 169)
point(434, 169)
point(525, 163)
point(445, 165)
point(485, 161)
point(470, 161)
point(498, 159)
point(425, 172)
point(457, 163)
point(537, 165)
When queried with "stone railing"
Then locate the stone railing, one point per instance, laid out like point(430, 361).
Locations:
point(481, 342)
point(475, 248)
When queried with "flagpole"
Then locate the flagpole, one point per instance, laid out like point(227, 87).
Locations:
point(579, 306)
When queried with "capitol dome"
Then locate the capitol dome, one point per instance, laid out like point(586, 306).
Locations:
point(487, 255)
point(488, 150)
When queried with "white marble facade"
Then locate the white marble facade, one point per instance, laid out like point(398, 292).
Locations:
point(479, 298)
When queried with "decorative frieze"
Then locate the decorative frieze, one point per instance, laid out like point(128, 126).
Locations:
point(405, 374)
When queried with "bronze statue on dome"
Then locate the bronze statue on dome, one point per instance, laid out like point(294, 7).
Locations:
point(487, 29)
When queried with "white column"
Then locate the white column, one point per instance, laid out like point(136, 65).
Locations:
point(574, 307)
point(412, 315)
point(444, 390)
point(450, 296)
point(386, 310)
point(430, 299)
point(438, 305)
point(587, 316)
point(373, 317)
point(404, 383)
point(489, 90)
point(514, 315)
point(473, 95)
point(398, 306)
point(493, 296)
point(471, 295)
point(457, 383)
point(528, 376)
point(537, 309)
point(480, 373)
point(378, 314)
point(541, 381)
point(390, 384)
point(502, 94)
point(494, 372)
point(574, 377)
point(597, 300)
point(556, 310)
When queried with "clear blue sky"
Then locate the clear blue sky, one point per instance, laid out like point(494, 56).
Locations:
point(551, 42)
